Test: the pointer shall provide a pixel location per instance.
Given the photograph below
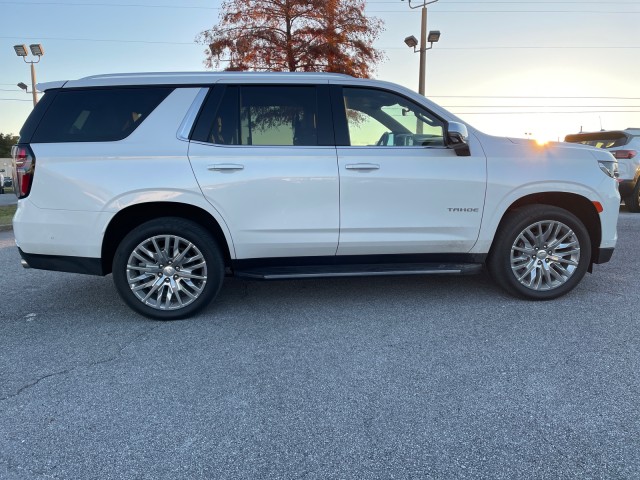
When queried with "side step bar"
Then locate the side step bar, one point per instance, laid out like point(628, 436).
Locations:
point(320, 271)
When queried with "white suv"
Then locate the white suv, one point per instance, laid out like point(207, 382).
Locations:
point(625, 146)
point(172, 181)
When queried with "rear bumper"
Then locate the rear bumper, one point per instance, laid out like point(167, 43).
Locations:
point(61, 263)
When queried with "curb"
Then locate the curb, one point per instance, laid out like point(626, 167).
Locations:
point(6, 228)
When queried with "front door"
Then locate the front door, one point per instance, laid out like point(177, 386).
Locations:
point(401, 189)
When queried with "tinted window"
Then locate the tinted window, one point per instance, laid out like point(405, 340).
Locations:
point(600, 139)
point(30, 125)
point(97, 115)
point(263, 115)
point(380, 118)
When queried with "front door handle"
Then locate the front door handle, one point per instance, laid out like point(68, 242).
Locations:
point(225, 167)
point(362, 166)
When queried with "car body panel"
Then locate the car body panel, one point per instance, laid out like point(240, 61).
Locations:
point(419, 200)
point(280, 201)
point(287, 201)
point(73, 183)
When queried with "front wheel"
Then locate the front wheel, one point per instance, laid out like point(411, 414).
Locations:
point(168, 268)
point(540, 252)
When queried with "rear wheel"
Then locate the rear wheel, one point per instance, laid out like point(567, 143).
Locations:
point(168, 268)
point(540, 252)
point(632, 201)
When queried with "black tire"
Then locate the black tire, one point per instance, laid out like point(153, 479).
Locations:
point(632, 201)
point(183, 259)
point(546, 280)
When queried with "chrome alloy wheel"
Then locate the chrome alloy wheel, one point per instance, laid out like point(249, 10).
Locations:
point(167, 272)
point(545, 255)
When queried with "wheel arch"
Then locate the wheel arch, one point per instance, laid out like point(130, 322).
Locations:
point(578, 205)
point(128, 218)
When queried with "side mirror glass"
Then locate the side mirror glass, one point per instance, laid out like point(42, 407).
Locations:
point(458, 138)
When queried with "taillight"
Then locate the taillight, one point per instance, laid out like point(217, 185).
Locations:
point(624, 154)
point(24, 166)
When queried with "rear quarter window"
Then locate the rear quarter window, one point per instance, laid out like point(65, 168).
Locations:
point(97, 115)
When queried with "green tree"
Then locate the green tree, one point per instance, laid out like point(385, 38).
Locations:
point(6, 142)
point(294, 35)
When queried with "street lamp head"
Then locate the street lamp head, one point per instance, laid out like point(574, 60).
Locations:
point(434, 36)
point(21, 50)
point(36, 49)
point(411, 41)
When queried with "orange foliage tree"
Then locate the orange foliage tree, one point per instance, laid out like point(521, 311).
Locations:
point(294, 35)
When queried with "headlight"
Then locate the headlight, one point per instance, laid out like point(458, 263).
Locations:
point(609, 167)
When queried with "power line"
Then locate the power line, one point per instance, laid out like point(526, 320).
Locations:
point(573, 12)
point(488, 47)
point(554, 2)
point(463, 2)
point(101, 40)
point(399, 10)
point(142, 5)
point(500, 47)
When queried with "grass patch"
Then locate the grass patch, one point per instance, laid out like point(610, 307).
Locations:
point(6, 214)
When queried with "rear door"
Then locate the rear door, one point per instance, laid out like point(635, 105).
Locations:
point(265, 158)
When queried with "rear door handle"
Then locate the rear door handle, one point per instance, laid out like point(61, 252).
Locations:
point(225, 167)
point(362, 166)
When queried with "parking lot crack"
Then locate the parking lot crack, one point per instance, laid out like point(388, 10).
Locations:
point(111, 358)
point(122, 348)
point(35, 382)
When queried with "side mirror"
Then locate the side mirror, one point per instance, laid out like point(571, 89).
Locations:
point(458, 139)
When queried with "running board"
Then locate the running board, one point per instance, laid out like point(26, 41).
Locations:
point(319, 271)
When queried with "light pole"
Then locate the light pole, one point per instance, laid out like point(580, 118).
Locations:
point(36, 51)
point(412, 42)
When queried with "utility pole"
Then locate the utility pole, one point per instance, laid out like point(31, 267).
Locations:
point(423, 43)
point(423, 51)
point(33, 83)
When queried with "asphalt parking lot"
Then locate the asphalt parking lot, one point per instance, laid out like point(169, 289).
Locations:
point(322, 379)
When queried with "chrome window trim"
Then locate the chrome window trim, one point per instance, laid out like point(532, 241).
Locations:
point(218, 145)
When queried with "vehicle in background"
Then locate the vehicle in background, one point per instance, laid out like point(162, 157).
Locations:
point(625, 146)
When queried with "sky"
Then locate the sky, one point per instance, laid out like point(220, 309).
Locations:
point(538, 69)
